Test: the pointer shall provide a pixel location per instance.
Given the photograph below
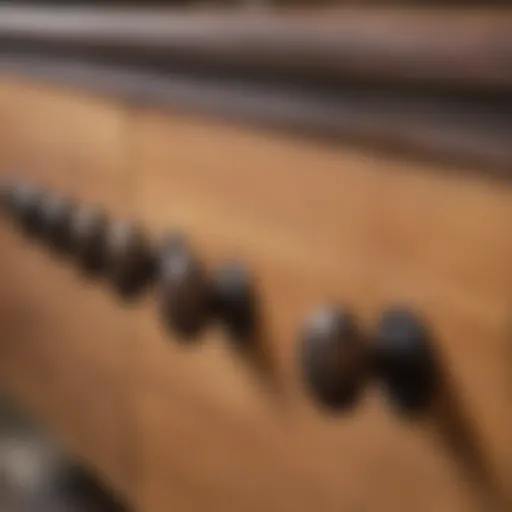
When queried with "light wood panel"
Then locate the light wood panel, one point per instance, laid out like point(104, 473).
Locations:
point(315, 224)
point(65, 340)
point(203, 427)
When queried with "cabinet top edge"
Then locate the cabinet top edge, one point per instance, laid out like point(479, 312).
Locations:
point(454, 49)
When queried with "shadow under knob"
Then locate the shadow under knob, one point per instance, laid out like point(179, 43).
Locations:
point(130, 259)
point(234, 301)
point(88, 238)
point(404, 359)
point(332, 357)
point(184, 289)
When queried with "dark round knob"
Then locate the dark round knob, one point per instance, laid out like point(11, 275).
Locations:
point(56, 222)
point(185, 292)
point(332, 357)
point(130, 259)
point(88, 236)
point(234, 300)
point(404, 359)
point(24, 203)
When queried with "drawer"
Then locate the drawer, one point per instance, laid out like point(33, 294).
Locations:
point(202, 425)
point(320, 224)
point(66, 349)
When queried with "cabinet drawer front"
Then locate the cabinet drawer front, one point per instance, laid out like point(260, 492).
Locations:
point(202, 425)
point(318, 224)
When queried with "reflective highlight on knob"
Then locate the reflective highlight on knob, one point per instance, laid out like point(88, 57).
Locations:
point(24, 202)
point(130, 261)
point(88, 236)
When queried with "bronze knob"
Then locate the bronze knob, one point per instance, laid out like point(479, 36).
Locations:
point(332, 357)
point(56, 222)
point(335, 363)
point(185, 291)
point(189, 297)
point(88, 238)
point(130, 259)
point(404, 359)
point(24, 203)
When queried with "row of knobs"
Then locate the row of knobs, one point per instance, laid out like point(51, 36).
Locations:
point(335, 359)
point(124, 256)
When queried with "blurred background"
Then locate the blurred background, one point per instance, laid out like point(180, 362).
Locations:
point(37, 475)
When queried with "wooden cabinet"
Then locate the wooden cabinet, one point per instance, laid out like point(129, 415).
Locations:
point(202, 425)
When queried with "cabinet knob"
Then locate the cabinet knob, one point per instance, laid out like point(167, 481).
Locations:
point(336, 362)
point(130, 258)
point(5, 188)
point(404, 359)
point(56, 222)
point(24, 204)
point(185, 290)
point(190, 297)
point(88, 238)
point(332, 357)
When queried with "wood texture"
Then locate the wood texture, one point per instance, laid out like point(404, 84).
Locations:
point(204, 427)
point(64, 341)
point(319, 224)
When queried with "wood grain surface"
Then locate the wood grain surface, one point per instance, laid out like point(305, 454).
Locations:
point(65, 338)
point(322, 224)
point(201, 426)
